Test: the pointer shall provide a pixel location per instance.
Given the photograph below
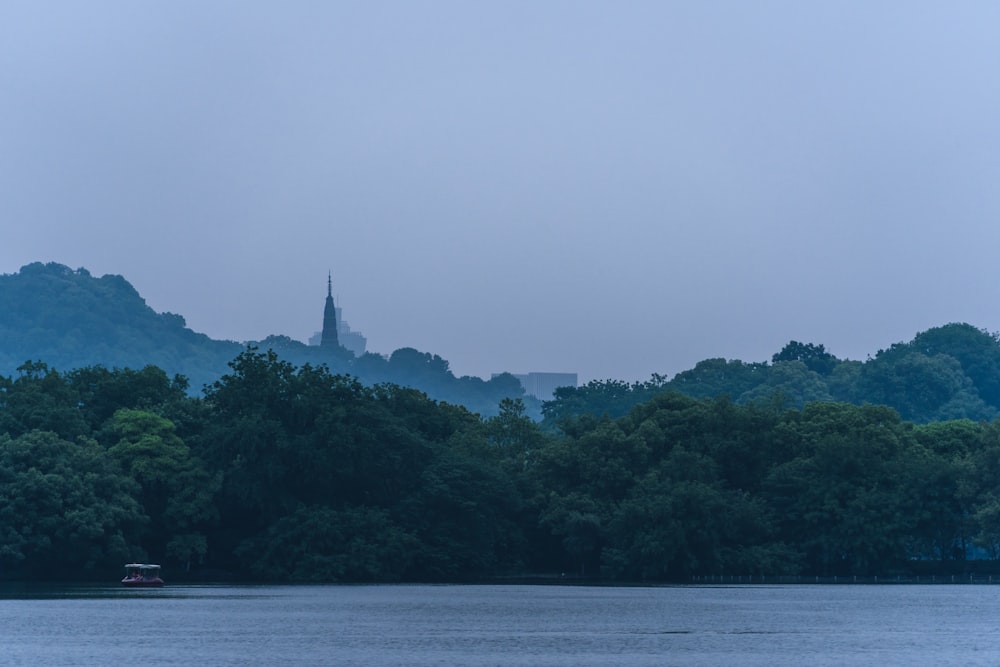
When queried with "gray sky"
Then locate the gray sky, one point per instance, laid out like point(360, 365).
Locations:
point(608, 188)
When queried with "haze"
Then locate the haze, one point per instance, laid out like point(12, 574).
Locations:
point(613, 189)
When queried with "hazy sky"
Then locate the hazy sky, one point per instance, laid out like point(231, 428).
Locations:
point(608, 188)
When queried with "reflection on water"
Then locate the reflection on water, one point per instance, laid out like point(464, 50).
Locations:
point(499, 625)
point(39, 591)
point(48, 591)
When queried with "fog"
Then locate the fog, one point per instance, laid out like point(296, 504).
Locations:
point(611, 189)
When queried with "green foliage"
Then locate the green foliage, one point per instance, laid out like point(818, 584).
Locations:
point(843, 497)
point(298, 473)
point(815, 357)
point(715, 377)
point(462, 513)
point(917, 385)
point(516, 435)
point(790, 383)
point(610, 398)
point(101, 392)
point(320, 544)
point(41, 399)
point(65, 508)
point(578, 520)
point(176, 491)
point(951, 372)
point(977, 351)
point(651, 496)
point(72, 320)
point(287, 438)
point(431, 375)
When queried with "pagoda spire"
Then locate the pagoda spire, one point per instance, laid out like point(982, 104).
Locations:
point(329, 337)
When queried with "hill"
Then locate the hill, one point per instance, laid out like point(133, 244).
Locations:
point(70, 319)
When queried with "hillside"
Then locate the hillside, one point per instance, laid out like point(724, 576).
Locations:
point(70, 319)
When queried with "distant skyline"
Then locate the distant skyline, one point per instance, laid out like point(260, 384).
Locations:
point(607, 189)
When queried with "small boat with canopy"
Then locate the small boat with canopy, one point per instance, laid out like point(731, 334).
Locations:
point(142, 575)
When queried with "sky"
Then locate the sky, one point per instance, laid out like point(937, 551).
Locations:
point(614, 189)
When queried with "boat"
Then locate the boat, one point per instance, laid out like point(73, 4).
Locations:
point(142, 575)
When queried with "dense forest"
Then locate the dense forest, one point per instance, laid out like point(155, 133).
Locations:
point(291, 466)
point(288, 473)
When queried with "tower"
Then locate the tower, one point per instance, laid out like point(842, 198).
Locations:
point(329, 339)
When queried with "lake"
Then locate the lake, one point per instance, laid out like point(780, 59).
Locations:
point(501, 625)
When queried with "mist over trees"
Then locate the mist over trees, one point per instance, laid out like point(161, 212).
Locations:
point(70, 319)
point(294, 470)
point(949, 372)
point(286, 473)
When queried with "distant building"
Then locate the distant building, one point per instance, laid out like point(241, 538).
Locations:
point(543, 385)
point(335, 330)
point(352, 340)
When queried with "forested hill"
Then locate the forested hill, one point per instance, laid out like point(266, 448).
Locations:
point(297, 473)
point(68, 319)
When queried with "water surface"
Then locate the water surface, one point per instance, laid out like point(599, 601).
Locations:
point(501, 625)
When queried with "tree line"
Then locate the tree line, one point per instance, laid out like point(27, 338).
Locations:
point(295, 473)
point(72, 319)
point(944, 373)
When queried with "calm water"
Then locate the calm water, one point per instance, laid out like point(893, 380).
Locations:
point(501, 625)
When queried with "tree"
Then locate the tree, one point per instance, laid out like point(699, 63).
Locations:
point(792, 383)
point(463, 515)
point(320, 544)
point(977, 350)
point(815, 357)
point(514, 434)
point(579, 521)
point(844, 498)
point(40, 398)
point(919, 386)
point(61, 498)
point(175, 490)
point(715, 377)
point(101, 392)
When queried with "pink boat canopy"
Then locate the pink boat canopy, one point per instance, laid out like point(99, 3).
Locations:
point(142, 575)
